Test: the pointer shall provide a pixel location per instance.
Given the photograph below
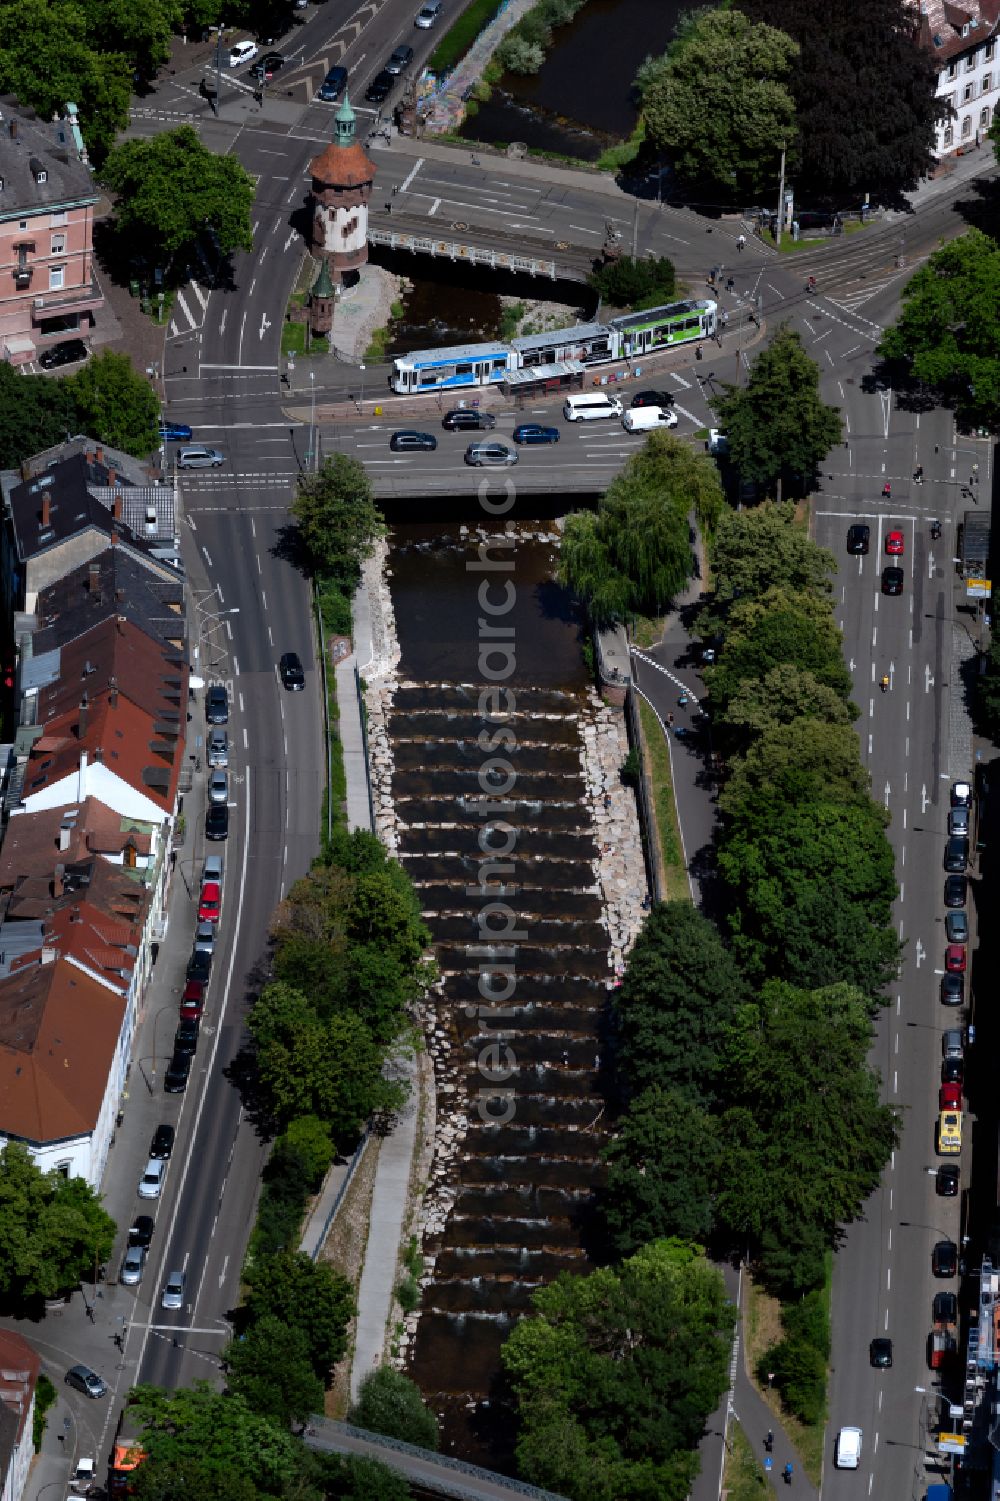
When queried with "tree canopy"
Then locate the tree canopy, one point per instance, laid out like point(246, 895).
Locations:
point(337, 519)
point(777, 424)
point(850, 143)
point(115, 403)
point(719, 103)
point(628, 283)
point(390, 1403)
point(53, 1230)
point(271, 1369)
point(662, 1166)
point(616, 1372)
point(308, 1297)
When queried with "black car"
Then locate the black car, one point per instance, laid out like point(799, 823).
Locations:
point(199, 966)
point(217, 821)
point(265, 67)
point(291, 671)
point(333, 84)
point(956, 890)
point(534, 432)
point(466, 419)
point(857, 539)
point(952, 1070)
point(186, 1036)
point(880, 1354)
point(177, 1074)
point(162, 1143)
point(409, 442)
point(945, 1308)
point(946, 1181)
point(652, 399)
point(944, 1259)
point(400, 60)
point(217, 704)
point(956, 854)
point(952, 990)
point(66, 353)
point(141, 1230)
point(892, 580)
point(380, 87)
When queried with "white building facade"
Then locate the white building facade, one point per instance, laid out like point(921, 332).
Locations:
point(963, 42)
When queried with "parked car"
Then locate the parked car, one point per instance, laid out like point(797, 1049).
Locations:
point(218, 748)
point(217, 821)
point(956, 927)
point(213, 868)
point(292, 675)
point(955, 891)
point(947, 1181)
point(412, 442)
point(217, 704)
point(880, 1353)
point(205, 935)
point(186, 1037)
point(944, 1308)
point(954, 958)
point(333, 84)
point(141, 1230)
point(400, 60)
point(218, 786)
point(952, 1070)
point(490, 453)
point(944, 1259)
point(950, 1096)
point(178, 1072)
point(162, 1143)
point(193, 999)
point(380, 87)
point(952, 990)
point(83, 1476)
point(952, 1044)
point(83, 1379)
point(242, 53)
point(652, 399)
point(534, 432)
point(199, 966)
point(961, 794)
point(68, 352)
point(461, 419)
point(133, 1263)
point(265, 67)
point(718, 442)
point(958, 820)
point(198, 456)
point(894, 544)
point(956, 854)
point(173, 1292)
point(175, 432)
point(151, 1181)
point(949, 1133)
point(857, 539)
point(892, 581)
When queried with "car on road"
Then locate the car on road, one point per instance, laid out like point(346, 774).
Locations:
point(950, 1097)
point(952, 990)
point(952, 1045)
point(647, 419)
point(956, 890)
point(242, 53)
point(213, 868)
point(958, 820)
point(83, 1476)
point(847, 1453)
point(265, 67)
point(949, 1133)
point(218, 786)
point(217, 704)
point(133, 1263)
point(186, 1037)
point(858, 537)
point(961, 794)
point(652, 399)
point(199, 966)
point(944, 1308)
point(892, 580)
point(178, 1072)
point(895, 544)
point(210, 903)
point(141, 1230)
point(151, 1181)
point(173, 1292)
point(205, 935)
point(955, 958)
point(944, 1259)
point(68, 352)
point(162, 1143)
point(175, 432)
point(400, 60)
point(83, 1379)
point(952, 1070)
point(408, 441)
point(956, 927)
point(198, 456)
point(490, 453)
point(462, 419)
point(380, 87)
point(193, 999)
point(427, 15)
point(217, 821)
point(534, 432)
point(956, 854)
point(947, 1181)
point(292, 675)
point(718, 442)
point(218, 748)
point(333, 85)
point(880, 1353)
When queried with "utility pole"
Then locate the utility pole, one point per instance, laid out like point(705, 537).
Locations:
point(635, 231)
point(781, 198)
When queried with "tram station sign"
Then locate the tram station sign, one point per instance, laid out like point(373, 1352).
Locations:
point(978, 588)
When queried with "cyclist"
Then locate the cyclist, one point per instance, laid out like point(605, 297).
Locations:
point(884, 684)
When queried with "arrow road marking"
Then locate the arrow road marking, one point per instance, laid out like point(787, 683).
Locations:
point(265, 324)
point(920, 953)
point(928, 680)
point(924, 799)
point(888, 789)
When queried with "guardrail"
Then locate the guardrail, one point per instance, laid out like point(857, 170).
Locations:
point(452, 247)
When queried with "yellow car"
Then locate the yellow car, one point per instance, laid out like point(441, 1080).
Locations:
point(949, 1133)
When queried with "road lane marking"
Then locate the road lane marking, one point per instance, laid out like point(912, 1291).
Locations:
point(411, 174)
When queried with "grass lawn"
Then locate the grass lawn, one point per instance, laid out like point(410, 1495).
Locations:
point(459, 38)
point(789, 246)
point(675, 879)
point(744, 1478)
point(762, 1328)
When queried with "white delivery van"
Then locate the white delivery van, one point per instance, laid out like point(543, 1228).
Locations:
point(587, 408)
point(645, 419)
point(848, 1451)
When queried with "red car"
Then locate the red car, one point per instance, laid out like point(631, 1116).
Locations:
point(193, 1001)
point(950, 1097)
point(894, 544)
point(210, 904)
point(954, 958)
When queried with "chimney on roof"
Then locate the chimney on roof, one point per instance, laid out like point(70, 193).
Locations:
point(13, 130)
point(112, 476)
point(81, 784)
point(57, 880)
point(116, 507)
point(65, 832)
point(46, 508)
point(113, 692)
point(114, 535)
point(99, 454)
point(81, 728)
point(94, 580)
point(49, 954)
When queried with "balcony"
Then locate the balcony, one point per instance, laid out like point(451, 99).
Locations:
point(83, 299)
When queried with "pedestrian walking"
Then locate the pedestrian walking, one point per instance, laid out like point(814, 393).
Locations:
point(724, 319)
point(388, 207)
point(730, 284)
point(698, 352)
point(918, 474)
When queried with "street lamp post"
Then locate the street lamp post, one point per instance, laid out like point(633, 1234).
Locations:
point(312, 464)
point(362, 369)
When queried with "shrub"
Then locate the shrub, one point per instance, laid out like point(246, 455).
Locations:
point(390, 1403)
point(518, 55)
point(45, 1396)
point(799, 1372)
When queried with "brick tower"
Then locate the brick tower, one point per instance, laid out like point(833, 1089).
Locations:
point(342, 181)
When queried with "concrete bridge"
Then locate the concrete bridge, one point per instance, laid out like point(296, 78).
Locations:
point(477, 245)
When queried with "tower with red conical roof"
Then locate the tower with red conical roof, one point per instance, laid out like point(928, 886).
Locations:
point(342, 182)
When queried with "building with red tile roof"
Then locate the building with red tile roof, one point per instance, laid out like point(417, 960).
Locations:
point(962, 41)
point(20, 1367)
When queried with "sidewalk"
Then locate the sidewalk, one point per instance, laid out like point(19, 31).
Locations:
point(954, 171)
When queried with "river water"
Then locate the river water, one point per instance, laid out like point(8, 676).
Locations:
point(518, 1190)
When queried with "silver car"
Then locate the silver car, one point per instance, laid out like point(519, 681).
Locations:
point(218, 748)
point(133, 1265)
point(197, 456)
point(958, 820)
point(490, 453)
point(173, 1293)
point(218, 787)
point(204, 937)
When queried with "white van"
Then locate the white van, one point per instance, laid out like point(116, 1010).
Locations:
point(848, 1451)
point(586, 408)
point(644, 419)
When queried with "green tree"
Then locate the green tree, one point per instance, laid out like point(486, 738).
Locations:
point(987, 692)
point(804, 763)
point(355, 1478)
point(766, 547)
point(661, 1168)
point(271, 1369)
point(142, 31)
point(777, 425)
point(171, 189)
point(306, 1296)
point(798, 630)
point(35, 414)
point(337, 518)
point(608, 1405)
point(941, 333)
point(785, 694)
point(309, 1139)
point(719, 105)
point(798, 1370)
point(390, 1403)
point(628, 283)
point(635, 553)
point(53, 1230)
point(114, 403)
